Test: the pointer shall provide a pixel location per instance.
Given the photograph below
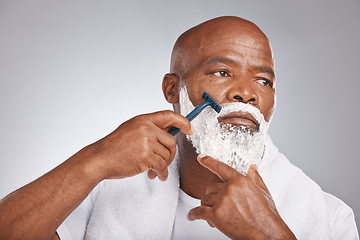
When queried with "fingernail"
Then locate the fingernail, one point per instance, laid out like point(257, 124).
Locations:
point(191, 131)
point(201, 155)
point(255, 166)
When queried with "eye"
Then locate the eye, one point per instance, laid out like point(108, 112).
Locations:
point(221, 73)
point(265, 82)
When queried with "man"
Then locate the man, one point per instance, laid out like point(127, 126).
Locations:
point(244, 189)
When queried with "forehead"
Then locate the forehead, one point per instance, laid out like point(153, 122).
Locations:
point(234, 46)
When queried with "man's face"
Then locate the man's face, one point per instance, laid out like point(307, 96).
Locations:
point(231, 60)
point(231, 67)
point(238, 146)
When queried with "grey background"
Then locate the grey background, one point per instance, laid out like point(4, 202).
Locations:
point(72, 71)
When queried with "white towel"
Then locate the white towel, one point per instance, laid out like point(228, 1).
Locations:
point(139, 208)
point(298, 199)
point(135, 208)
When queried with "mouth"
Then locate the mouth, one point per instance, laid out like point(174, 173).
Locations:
point(239, 119)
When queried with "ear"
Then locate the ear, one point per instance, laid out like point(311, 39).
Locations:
point(170, 87)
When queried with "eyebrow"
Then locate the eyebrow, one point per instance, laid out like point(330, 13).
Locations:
point(265, 69)
point(228, 60)
point(219, 59)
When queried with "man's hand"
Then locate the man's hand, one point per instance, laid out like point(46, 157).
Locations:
point(241, 207)
point(139, 144)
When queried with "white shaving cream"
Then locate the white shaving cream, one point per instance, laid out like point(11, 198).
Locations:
point(237, 146)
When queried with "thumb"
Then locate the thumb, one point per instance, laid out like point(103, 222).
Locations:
point(255, 177)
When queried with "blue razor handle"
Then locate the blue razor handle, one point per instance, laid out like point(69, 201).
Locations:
point(194, 113)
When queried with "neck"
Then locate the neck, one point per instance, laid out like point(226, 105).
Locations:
point(194, 178)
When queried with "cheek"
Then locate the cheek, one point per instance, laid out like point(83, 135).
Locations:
point(267, 106)
point(193, 89)
point(195, 96)
point(196, 89)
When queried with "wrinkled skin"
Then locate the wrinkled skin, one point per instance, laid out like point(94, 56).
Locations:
point(239, 206)
point(152, 148)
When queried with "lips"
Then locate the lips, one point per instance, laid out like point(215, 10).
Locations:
point(239, 118)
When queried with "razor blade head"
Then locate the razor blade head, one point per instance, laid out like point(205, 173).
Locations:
point(211, 101)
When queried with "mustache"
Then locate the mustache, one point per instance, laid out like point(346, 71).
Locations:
point(228, 108)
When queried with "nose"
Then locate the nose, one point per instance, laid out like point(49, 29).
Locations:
point(244, 92)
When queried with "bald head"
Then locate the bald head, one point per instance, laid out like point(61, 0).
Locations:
point(196, 40)
point(228, 57)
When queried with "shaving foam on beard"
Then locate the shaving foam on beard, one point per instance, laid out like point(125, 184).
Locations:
point(237, 146)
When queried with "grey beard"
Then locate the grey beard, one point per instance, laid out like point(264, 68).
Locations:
point(237, 146)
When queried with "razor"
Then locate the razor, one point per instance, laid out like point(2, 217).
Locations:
point(209, 101)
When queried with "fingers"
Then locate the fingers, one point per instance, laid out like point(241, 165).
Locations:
point(208, 200)
point(168, 119)
point(201, 212)
point(169, 143)
point(207, 203)
point(161, 143)
point(214, 188)
point(159, 166)
point(141, 144)
point(166, 149)
point(157, 159)
point(151, 174)
point(223, 171)
point(255, 177)
point(166, 146)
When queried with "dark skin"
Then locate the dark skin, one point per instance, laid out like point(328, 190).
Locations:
point(231, 59)
point(226, 57)
point(140, 144)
